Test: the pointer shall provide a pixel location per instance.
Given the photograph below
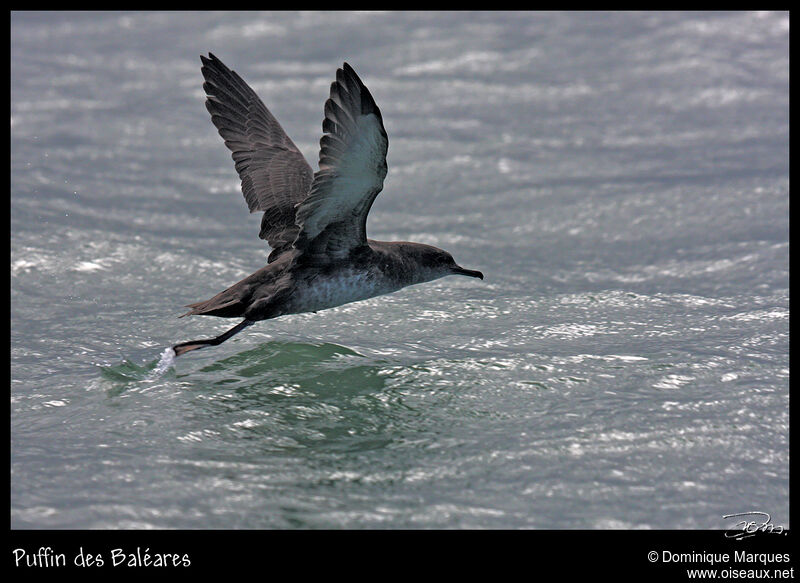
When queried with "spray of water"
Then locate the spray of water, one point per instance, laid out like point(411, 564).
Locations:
point(164, 364)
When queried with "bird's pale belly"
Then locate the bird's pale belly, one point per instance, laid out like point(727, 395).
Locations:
point(324, 292)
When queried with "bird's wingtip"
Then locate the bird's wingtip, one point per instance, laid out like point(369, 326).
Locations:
point(207, 60)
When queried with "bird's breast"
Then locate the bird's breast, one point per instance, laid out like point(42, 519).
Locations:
point(324, 291)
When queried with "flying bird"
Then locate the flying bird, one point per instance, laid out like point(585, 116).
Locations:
point(315, 223)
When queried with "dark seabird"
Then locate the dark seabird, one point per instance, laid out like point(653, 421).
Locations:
point(314, 222)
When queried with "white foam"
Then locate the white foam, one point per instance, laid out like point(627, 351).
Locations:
point(164, 364)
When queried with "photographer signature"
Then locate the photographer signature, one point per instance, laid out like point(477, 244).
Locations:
point(746, 528)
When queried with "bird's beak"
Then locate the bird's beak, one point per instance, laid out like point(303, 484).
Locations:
point(471, 273)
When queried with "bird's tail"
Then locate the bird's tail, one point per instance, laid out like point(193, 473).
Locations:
point(219, 305)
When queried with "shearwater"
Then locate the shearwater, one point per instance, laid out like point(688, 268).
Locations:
point(314, 222)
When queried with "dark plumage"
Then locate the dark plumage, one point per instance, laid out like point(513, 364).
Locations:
point(314, 222)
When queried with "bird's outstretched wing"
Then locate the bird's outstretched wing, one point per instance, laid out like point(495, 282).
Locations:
point(275, 175)
point(352, 166)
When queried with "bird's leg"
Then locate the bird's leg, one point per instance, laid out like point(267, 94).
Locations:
point(197, 344)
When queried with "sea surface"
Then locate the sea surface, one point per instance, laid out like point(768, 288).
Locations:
point(621, 179)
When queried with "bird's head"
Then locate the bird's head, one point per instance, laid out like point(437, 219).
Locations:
point(435, 263)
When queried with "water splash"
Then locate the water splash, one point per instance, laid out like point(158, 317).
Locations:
point(166, 361)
